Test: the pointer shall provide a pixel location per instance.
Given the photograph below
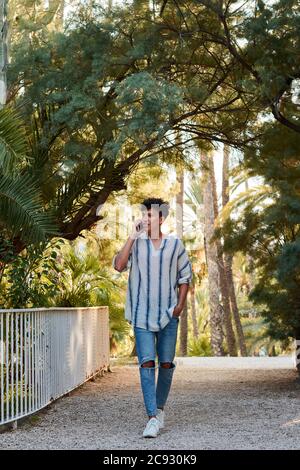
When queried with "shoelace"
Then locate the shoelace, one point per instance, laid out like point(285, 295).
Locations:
point(153, 424)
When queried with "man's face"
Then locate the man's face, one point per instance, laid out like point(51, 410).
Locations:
point(151, 222)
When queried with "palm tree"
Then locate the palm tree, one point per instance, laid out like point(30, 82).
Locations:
point(194, 310)
point(216, 314)
point(193, 198)
point(179, 228)
point(21, 215)
point(228, 259)
point(230, 336)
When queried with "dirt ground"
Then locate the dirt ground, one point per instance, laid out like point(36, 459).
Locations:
point(206, 409)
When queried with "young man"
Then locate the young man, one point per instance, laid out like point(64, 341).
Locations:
point(158, 264)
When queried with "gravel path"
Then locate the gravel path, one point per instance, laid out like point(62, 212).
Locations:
point(207, 409)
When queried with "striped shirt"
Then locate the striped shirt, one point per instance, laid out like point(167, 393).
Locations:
point(154, 275)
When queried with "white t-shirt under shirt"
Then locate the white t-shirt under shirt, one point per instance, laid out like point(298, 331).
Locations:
point(154, 275)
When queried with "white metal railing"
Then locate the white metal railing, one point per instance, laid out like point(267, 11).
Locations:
point(47, 352)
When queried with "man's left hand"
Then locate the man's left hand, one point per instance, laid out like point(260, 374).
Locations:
point(177, 310)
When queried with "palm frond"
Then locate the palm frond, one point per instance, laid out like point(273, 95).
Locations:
point(195, 194)
point(13, 144)
point(250, 198)
point(20, 209)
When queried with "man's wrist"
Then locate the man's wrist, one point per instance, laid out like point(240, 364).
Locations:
point(133, 236)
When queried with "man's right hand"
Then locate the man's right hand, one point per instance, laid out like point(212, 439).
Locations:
point(136, 233)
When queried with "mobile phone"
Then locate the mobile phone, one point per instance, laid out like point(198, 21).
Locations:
point(139, 227)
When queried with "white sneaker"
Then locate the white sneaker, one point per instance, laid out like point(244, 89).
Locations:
point(161, 418)
point(152, 428)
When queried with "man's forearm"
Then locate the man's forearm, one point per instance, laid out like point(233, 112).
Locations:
point(183, 290)
point(123, 255)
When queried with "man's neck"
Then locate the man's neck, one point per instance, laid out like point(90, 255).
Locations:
point(160, 235)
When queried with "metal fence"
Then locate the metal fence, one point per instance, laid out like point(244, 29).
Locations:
point(47, 352)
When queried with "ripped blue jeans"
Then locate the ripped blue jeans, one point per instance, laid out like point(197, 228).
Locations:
point(147, 343)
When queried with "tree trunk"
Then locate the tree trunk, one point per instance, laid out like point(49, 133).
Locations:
point(179, 203)
point(250, 262)
point(216, 314)
point(179, 229)
point(230, 336)
point(133, 352)
point(297, 351)
point(234, 307)
point(3, 51)
point(183, 330)
point(228, 260)
point(193, 310)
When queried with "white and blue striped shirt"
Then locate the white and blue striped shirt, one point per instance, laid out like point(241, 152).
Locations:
point(153, 279)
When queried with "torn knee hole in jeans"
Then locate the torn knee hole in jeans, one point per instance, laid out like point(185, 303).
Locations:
point(167, 365)
point(147, 364)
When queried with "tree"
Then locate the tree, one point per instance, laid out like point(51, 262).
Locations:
point(266, 225)
point(194, 197)
point(224, 288)
point(263, 38)
point(21, 208)
point(104, 96)
point(180, 234)
point(228, 258)
point(216, 313)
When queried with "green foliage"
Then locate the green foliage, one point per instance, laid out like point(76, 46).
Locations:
point(21, 207)
point(26, 277)
point(268, 228)
point(146, 104)
point(273, 47)
point(13, 145)
point(61, 274)
point(83, 279)
point(113, 88)
point(200, 347)
point(110, 90)
point(259, 341)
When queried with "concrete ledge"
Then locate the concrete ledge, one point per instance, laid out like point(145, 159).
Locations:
point(278, 362)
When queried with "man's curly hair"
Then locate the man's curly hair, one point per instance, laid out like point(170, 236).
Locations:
point(157, 203)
